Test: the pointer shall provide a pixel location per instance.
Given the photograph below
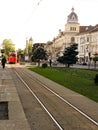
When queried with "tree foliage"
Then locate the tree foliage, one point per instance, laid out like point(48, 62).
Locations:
point(39, 54)
point(70, 55)
point(20, 54)
point(95, 59)
point(8, 46)
point(30, 49)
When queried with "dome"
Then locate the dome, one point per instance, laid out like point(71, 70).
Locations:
point(72, 17)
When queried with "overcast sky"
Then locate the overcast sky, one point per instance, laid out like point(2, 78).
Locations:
point(41, 19)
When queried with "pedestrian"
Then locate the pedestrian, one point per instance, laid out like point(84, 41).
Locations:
point(50, 62)
point(3, 61)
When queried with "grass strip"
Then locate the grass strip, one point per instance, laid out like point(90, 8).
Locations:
point(78, 80)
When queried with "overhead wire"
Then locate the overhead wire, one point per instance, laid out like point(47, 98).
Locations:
point(38, 3)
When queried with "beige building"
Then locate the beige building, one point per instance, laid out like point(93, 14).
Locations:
point(65, 38)
point(85, 36)
point(87, 43)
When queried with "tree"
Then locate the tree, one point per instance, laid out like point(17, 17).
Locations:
point(95, 59)
point(70, 55)
point(8, 46)
point(39, 54)
point(20, 54)
point(30, 49)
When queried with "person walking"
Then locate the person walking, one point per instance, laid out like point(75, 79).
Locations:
point(50, 62)
point(3, 61)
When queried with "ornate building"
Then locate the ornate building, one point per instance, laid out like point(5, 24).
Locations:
point(65, 38)
point(85, 36)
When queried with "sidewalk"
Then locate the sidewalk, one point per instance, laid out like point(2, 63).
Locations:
point(12, 116)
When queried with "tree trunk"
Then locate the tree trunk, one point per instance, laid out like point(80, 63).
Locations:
point(95, 65)
point(38, 63)
point(68, 65)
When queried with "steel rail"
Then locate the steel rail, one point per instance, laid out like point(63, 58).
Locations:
point(74, 107)
point(54, 120)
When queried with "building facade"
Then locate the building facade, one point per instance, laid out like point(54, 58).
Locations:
point(85, 36)
point(65, 38)
point(87, 44)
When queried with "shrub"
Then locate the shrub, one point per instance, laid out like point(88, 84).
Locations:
point(44, 65)
point(96, 79)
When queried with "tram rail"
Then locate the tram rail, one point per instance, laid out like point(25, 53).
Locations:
point(64, 114)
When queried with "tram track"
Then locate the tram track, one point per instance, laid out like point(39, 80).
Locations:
point(65, 115)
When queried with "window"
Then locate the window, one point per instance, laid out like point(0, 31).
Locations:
point(82, 40)
point(72, 28)
point(87, 39)
point(72, 39)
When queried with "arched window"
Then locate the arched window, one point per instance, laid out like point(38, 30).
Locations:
point(72, 39)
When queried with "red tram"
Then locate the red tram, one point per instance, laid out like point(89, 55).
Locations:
point(12, 58)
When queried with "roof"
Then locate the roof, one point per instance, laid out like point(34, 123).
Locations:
point(85, 28)
point(72, 17)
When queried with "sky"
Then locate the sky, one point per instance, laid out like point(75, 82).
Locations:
point(41, 19)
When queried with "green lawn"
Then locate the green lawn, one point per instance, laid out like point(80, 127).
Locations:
point(79, 80)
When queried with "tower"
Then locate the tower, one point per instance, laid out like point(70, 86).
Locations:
point(72, 22)
point(26, 55)
point(26, 46)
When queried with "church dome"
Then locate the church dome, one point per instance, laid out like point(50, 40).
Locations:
point(72, 17)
